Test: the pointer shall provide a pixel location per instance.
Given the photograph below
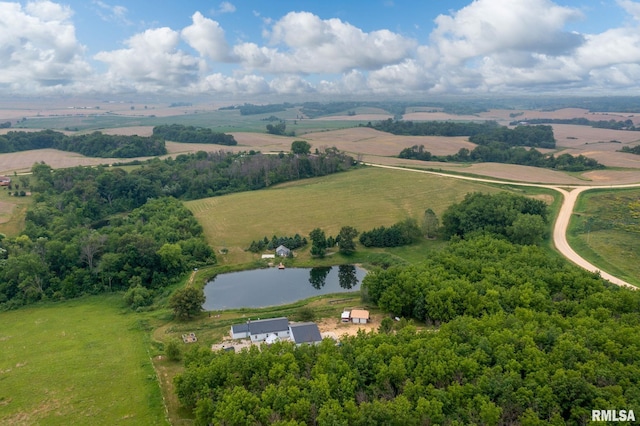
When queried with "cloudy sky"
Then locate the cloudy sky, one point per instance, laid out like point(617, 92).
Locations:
point(244, 48)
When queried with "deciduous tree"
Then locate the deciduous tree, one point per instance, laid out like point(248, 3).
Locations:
point(186, 302)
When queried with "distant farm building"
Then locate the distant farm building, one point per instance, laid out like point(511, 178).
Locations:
point(346, 316)
point(5, 181)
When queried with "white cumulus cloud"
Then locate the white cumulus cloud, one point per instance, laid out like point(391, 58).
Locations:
point(207, 37)
point(152, 61)
point(38, 47)
point(303, 43)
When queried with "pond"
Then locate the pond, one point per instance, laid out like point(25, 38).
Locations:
point(259, 288)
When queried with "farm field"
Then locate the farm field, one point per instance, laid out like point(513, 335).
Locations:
point(78, 362)
point(364, 198)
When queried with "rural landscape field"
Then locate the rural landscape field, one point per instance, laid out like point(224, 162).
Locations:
point(94, 360)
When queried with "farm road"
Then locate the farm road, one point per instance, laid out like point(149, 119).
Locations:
point(570, 194)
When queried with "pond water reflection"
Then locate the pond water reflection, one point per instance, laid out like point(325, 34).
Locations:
point(268, 287)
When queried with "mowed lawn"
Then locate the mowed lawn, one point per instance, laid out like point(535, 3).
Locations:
point(364, 198)
point(82, 362)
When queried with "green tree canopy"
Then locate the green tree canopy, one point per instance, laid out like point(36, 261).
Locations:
point(490, 213)
point(345, 239)
point(318, 242)
point(186, 302)
point(300, 147)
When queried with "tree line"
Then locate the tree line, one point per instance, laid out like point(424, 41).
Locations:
point(291, 243)
point(399, 234)
point(498, 152)
point(525, 338)
point(498, 144)
point(581, 121)
point(95, 144)
point(631, 150)
point(435, 128)
point(191, 134)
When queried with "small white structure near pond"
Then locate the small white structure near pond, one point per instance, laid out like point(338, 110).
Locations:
point(282, 251)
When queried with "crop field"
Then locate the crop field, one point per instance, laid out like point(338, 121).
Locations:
point(364, 198)
point(77, 362)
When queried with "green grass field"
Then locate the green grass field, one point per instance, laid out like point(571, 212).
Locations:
point(363, 198)
point(605, 230)
point(82, 362)
point(13, 211)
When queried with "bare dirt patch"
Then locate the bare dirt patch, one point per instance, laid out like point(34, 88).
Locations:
point(338, 328)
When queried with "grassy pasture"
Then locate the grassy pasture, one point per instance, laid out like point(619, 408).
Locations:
point(13, 211)
point(605, 230)
point(78, 362)
point(364, 198)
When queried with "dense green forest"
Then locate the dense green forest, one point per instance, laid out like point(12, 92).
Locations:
point(524, 338)
point(191, 134)
point(521, 219)
point(103, 229)
point(95, 144)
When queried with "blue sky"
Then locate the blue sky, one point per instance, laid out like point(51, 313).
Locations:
point(358, 48)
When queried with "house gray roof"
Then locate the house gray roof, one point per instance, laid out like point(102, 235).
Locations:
point(240, 328)
point(306, 332)
point(283, 249)
point(272, 325)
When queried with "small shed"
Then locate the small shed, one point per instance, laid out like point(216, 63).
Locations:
point(306, 332)
point(346, 316)
point(240, 331)
point(5, 180)
point(359, 316)
point(282, 251)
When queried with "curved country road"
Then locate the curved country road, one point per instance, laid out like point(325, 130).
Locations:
point(562, 222)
